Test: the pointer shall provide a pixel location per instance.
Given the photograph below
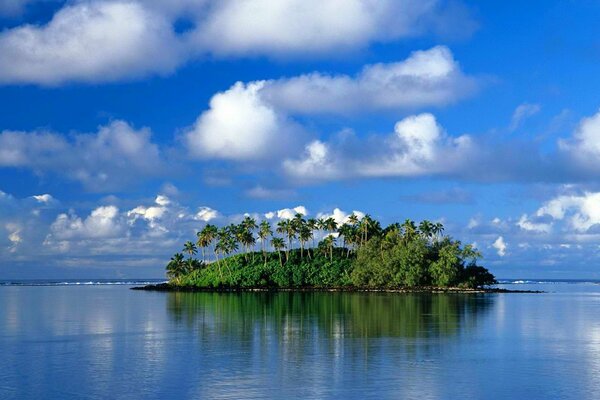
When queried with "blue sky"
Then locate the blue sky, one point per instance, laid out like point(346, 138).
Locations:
point(126, 125)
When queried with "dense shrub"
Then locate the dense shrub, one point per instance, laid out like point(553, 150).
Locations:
point(401, 255)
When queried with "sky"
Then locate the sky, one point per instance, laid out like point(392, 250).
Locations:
point(127, 125)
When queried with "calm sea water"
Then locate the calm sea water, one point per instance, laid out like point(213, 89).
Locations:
point(108, 342)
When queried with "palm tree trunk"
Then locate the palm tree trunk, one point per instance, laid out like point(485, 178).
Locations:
point(219, 265)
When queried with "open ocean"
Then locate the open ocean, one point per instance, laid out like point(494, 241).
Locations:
point(97, 339)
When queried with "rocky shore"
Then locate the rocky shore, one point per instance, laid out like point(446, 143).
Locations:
point(166, 287)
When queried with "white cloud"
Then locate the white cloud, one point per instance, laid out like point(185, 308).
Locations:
point(89, 41)
point(426, 78)
point(14, 236)
point(527, 224)
point(114, 156)
point(585, 143)
point(206, 214)
point(286, 213)
point(418, 146)
point(340, 216)
point(316, 163)
point(581, 211)
point(162, 200)
point(240, 126)
point(522, 112)
point(300, 27)
point(103, 222)
point(151, 213)
point(43, 198)
point(500, 246)
point(107, 40)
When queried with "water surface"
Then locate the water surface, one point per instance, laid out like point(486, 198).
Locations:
point(101, 341)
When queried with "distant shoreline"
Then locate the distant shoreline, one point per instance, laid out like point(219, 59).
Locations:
point(166, 287)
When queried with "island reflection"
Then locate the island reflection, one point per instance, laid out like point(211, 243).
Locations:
point(331, 315)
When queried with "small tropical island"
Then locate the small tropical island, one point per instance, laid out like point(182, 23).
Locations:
point(356, 255)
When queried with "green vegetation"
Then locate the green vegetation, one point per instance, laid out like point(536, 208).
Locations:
point(356, 254)
point(357, 315)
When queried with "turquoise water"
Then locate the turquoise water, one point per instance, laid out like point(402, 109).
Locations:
point(100, 341)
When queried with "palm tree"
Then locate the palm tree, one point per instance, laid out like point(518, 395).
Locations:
point(278, 244)
point(365, 225)
point(226, 244)
point(304, 235)
point(321, 224)
point(330, 225)
point(190, 248)
point(393, 227)
point(299, 225)
point(426, 229)
point(264, 231)
point(351, 237)
point(348, 233)
point(206, 236)
point(249, 225)
point(344, 232)
point(191, 264)
point(242, 234)
point(313, 225)
point(176, 266)
point(329, 242)
point(286, 227)
point(437, 229)
point(409, 229)
point(353, 219)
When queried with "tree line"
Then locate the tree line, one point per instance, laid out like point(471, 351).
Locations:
point(414, 254)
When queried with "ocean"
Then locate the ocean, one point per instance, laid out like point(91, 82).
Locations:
point(96, 339)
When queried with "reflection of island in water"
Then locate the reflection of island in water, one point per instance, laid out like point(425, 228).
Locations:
point(331, 315)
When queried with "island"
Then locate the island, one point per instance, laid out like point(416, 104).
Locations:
point(322, 254)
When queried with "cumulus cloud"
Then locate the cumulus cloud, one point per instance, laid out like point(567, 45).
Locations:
point(340, 216)
point(316, 163)
point(426, 78)
point(149, 229)
point(103, 222)
point(89, 41)
point(527, 224)
point(581, 211)
point(418, 146)
point(206, 214)
point(151, 213)
point(500, 246)
point(106, 40)
point(114, 156)
point(286, 213)
point(319, 26)
point(239, 125)
point(584, 145)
